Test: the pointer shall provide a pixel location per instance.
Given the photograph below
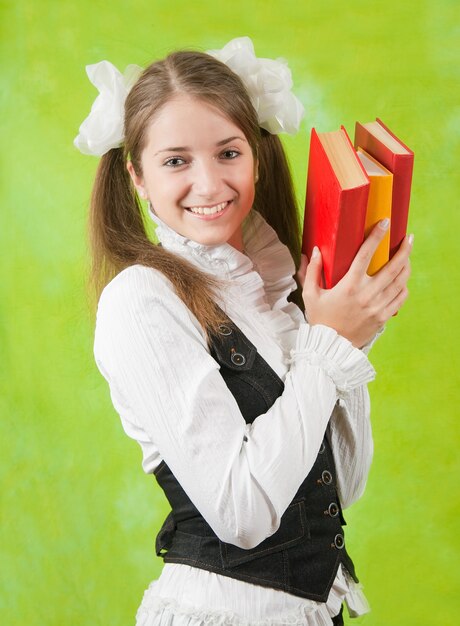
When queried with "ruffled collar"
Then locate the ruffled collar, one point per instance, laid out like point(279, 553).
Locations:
point(265, 262)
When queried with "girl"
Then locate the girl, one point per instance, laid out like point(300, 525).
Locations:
point(247, 395)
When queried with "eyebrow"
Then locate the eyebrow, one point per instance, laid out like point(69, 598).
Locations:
point(222, 142)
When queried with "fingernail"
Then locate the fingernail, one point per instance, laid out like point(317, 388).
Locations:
point(411, 239)
point(384, 224)
point(315, 252)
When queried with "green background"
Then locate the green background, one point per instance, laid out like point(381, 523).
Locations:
point(79, 517)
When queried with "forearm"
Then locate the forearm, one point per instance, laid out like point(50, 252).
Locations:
point(352, 444)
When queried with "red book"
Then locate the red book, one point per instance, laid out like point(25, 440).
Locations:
point(376, 139)
point(336, 203)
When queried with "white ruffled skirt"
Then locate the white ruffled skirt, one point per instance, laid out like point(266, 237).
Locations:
point(188, 596)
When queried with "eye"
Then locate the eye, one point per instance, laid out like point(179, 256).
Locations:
point(174, 162)
point(230, 154)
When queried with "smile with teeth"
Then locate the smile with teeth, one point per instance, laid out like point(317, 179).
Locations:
point(208, 210)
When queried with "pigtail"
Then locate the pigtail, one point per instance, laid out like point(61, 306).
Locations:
point(115, 222)
point(275, 199)
point(118, 239)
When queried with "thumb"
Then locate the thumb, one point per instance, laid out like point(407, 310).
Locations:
point(313, 276)
point(300, 275)
point(364, 255)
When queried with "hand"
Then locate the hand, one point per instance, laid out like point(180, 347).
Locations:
point(358, 305)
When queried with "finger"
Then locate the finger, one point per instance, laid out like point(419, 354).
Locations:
point(395, 287)
point(391, 270)
point(302, 269)
point(370, 245)
point(404, 250)
point(314, 271)
point(394, 306)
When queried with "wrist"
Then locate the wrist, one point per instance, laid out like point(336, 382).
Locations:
point(321, 346)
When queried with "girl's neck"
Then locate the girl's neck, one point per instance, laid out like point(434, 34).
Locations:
point(236, 240)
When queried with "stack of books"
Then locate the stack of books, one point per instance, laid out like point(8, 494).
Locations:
point(349, 189)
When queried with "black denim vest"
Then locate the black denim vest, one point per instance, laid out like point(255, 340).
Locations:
point(303, 555)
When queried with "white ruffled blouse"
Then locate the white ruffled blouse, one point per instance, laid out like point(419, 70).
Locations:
point(173, 401)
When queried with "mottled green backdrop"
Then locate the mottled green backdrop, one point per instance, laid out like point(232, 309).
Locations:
point(78, 515)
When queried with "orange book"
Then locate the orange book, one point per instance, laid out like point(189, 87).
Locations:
point(378, 206)
point(336, 203)
point(378, 141)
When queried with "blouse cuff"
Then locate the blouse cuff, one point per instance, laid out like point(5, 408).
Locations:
point(322, 346)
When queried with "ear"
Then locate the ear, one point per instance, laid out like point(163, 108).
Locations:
point(138, 181)
point(256, 170)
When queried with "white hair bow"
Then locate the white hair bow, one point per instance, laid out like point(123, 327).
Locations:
point(268, 83)
point(103, 128)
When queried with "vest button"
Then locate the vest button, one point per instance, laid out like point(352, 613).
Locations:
point(338, 542)
point(225, 330)
point(326, 477)
point(323, 447)
point(333, 510)
point(238, 359)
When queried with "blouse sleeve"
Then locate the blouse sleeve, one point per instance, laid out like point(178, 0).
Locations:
point(350, 433)
point(162, 379)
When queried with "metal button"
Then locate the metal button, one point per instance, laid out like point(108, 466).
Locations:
point(332, 510)
point(225, 330)
point(238, 359)
point(339, 542)
point(323, 447)
point(326, 477)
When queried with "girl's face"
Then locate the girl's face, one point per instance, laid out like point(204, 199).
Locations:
point(198, 172)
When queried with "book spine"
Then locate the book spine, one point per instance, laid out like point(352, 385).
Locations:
point(350, 231)
point(321, 205)
point(402, 178)
point(334, 218)
point(401, 166)
point(379, 208)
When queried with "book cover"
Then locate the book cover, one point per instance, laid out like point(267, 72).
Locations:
point(336, 203)
point(378, 206)
point(379, 141)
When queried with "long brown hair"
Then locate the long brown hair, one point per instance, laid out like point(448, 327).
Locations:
point(116, 226)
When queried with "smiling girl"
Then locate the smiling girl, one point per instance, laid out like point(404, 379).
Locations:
point(246, 392)
point(201, 175)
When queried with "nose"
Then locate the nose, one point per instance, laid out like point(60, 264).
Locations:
point(207, 179)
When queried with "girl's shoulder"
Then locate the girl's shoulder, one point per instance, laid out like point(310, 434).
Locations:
point(138, 289)
point(142, 293)
point(137, 279)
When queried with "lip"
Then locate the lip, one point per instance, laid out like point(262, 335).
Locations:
point(212, 217)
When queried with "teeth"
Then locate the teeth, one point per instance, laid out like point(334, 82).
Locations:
point(208, 210)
